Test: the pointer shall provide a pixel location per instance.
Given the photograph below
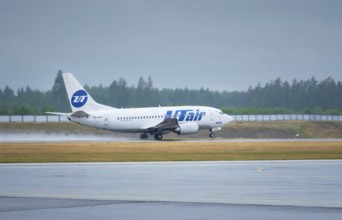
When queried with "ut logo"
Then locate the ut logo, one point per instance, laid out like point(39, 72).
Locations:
point(79, 98)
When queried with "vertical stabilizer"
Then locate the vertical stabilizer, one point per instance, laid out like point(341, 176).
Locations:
point(79, 98)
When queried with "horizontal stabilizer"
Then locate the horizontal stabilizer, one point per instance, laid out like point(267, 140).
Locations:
point(57, 113)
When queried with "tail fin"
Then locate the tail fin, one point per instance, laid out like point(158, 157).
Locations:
point(79, 98)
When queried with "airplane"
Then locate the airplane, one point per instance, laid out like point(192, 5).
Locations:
point(155, 121)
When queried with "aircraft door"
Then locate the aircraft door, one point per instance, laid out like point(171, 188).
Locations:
point(106, 120)
point(212, 117)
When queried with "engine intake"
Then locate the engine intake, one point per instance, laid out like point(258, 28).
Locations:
point(187, 128)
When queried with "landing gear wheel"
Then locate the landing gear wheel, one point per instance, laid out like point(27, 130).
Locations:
point(144, 136)
point(211, 135)
point(158, 136)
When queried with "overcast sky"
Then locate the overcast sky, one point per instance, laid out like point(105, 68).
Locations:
point(220, 45)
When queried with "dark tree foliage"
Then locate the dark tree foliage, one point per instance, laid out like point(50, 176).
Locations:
point(275, 97)
point(119, 93)
point(299, 95)
point(59, 99)
point(8, 98)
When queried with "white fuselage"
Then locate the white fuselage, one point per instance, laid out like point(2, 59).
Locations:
point(139, 119)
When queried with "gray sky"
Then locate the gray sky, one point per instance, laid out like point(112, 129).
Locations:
point(220, 45)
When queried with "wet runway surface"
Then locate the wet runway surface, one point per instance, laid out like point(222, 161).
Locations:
point(64, 137)
point(172, 190)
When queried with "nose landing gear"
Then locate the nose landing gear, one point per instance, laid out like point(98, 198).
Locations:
point(211, 135)
point(212, 130)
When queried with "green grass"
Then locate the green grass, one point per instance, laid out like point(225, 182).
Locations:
point(283, 129)
point(274, 129)
point(167, 151)
point(171, 150)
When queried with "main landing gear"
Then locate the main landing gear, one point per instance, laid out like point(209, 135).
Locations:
point(158, 136)
point(144, 136)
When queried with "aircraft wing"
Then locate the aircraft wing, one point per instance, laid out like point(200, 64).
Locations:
point(169, 124)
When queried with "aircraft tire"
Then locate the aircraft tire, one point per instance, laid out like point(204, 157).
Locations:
point(158, 136)
point(144, 136)
point(211, 135)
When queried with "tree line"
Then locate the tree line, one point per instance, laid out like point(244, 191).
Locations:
point(275, 97)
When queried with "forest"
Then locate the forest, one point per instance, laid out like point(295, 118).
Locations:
point(275, 97)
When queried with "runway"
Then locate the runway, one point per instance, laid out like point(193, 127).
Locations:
point(64, 137)
point(172, 190)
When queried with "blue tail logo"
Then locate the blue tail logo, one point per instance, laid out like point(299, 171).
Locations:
point(79, 98)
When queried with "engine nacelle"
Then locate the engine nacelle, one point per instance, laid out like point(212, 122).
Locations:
point(187, 128)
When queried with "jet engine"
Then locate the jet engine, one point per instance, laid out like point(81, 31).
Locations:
point(187, 128)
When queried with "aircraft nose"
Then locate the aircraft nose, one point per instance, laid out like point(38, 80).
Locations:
point(227, 119)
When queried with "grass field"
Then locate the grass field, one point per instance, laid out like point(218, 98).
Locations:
point(167, 151)
point(273, 129)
